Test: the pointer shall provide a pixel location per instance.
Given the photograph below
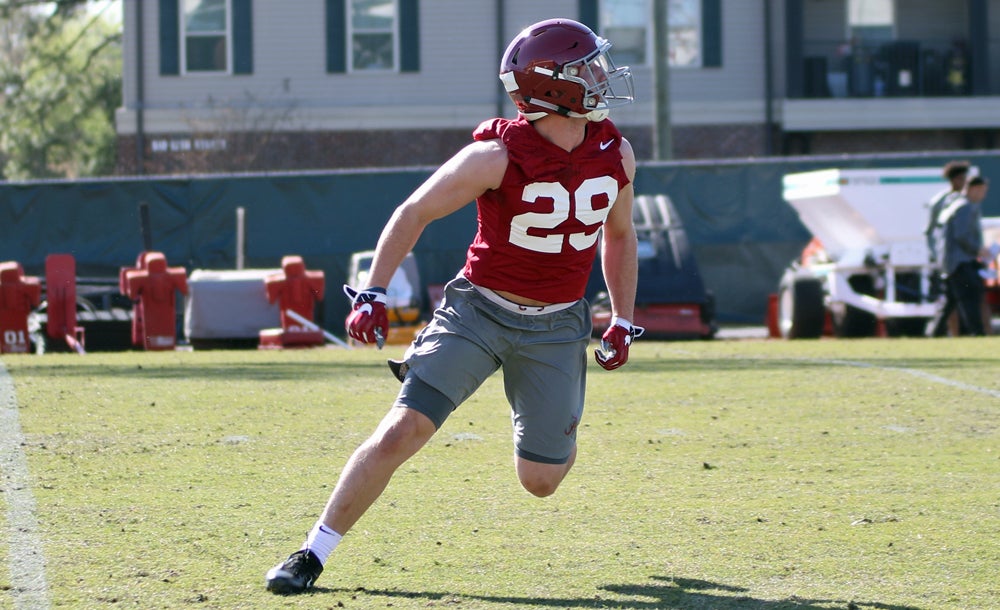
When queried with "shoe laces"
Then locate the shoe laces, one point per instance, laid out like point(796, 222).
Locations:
point(301, 562)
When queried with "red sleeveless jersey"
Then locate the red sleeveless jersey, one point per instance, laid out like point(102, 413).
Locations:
point(537, 233)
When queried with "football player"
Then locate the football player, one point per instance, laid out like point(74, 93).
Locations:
point(550, 187)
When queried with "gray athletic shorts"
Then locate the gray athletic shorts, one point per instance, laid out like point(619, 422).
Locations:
point(544, 361)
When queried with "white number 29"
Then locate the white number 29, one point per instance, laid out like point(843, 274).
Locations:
point(585, 213)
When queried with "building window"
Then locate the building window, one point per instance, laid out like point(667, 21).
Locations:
point(627, 24)
point(373, 35)
point(205, 32)
point(871, 20)
point(685, 33)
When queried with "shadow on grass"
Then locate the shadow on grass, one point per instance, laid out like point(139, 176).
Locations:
point(305, 370)
point(665, 593)
point(272, 371)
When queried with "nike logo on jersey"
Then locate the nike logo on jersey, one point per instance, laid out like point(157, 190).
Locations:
point(605, 145)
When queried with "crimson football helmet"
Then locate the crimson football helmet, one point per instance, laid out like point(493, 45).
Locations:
point(562, 67)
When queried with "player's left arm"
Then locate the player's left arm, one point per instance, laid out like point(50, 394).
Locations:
point(620, 264)
point(619, 260)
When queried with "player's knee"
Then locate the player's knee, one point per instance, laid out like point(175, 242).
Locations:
point(539, 486)
point(540, 480)
point(401, 435)
point(390, 443)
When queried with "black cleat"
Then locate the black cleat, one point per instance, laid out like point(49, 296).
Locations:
point(295, 574)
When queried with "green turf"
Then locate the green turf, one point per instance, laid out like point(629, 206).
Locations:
point(711, 475)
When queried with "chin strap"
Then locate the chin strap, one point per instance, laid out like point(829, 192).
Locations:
point(594, 116)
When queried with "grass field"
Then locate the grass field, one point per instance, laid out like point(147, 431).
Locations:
point(711, 475)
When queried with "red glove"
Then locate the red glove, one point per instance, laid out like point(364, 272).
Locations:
point(615, 342)
point(368, 322)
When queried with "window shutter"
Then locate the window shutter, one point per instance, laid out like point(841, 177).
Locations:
point(242, 37)
point(711, 33)
point(409, 35)
point(170, 32)
point(336, 36)
point(979, 38)
point(794, 73)
point(587, 10)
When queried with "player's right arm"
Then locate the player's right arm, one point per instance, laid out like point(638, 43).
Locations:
point(475, 169)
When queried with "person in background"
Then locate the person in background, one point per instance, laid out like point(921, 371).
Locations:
point(961, 252)
point(956, 173)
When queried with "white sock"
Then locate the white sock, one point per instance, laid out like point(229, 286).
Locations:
point(321, 541)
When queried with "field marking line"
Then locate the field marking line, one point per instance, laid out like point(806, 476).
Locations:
point(24, 555)
point(961, 385)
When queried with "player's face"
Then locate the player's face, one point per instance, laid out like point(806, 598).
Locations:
point(606, 85)
point(595, 76)
point(598, 71)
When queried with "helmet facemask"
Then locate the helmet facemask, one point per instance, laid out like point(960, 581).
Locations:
point(605, 86)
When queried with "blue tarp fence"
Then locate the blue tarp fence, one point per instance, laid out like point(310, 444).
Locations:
point(742, 233)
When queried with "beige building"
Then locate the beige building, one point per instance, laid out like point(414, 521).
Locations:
point(235, 85)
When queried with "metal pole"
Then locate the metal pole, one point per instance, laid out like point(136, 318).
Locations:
point(662, 133)
point(501, 46)
point(309, 324)
point(241, 238)
point(768, 82)
point(140, 91)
